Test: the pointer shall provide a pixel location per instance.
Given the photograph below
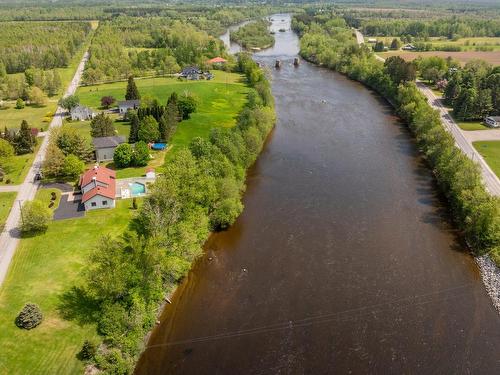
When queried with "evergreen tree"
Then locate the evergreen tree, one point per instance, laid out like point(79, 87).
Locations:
point(24, 140)
point(102, 126)
point(168, 122)
point(148, 130)
point(134, 127)
point(132, 91)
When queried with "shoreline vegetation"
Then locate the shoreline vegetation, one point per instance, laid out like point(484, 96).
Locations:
point(128, 278)
point(254, 35)
point(474, 211)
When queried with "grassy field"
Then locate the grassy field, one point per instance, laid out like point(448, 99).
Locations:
point(17, 167)
point(490, 151)
point(466, 44)
point(6, 201)
point(43, 270)
point(463, 57)
point(219, 101)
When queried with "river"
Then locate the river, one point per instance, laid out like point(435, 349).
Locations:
point(343, 261)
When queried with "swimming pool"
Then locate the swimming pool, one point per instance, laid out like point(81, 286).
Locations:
point(159, 146)
point(137, 188)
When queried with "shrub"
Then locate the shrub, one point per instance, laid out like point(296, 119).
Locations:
point(20, 103)
point(35, 217)
point(29, 317)
point(88, 351)
point(123, 155)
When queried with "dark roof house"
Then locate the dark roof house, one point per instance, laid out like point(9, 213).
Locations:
point(125, 105)
point(191, 72)
point(105, 146)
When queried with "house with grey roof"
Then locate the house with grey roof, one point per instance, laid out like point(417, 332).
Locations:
point(191, 73)
point(105, 147)
point(82, 113)
point(125, 105)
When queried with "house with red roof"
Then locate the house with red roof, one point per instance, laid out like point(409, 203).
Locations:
point(217, 60)
point(98, 187)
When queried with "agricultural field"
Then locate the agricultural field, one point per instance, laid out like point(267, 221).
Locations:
point(44, 269)
point(488, 44)
point(463, 57)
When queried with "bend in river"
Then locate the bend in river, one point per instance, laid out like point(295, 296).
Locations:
point(343, 260)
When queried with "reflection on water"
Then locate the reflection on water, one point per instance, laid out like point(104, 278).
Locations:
point(343, 260)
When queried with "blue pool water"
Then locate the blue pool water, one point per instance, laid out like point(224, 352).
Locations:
point(137, 189)
point(159, 146)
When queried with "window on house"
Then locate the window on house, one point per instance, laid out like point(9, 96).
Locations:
point(93, 204)
point(104, 203)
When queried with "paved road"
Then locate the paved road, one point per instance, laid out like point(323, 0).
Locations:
point(462, 141)
point(9, 238)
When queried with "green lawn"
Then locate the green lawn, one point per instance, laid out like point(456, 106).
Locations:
point(44, 269)
point(469, 125)
point(219, 101)
point(17, 167)
point(490, 151)
point(466, 44)
point(6, 202)
point(45, 196)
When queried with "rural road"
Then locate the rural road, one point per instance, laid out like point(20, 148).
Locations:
point(462, 139)
point(9, 238)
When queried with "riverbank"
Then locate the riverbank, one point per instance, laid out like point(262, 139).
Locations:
point(474, 211)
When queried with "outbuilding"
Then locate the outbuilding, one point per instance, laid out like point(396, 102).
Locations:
point(105, 147)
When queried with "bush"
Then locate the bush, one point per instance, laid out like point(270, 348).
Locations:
point(123, 155)
point(29, 317)
point(20, 103)
point(88, 351)
point(35, 217)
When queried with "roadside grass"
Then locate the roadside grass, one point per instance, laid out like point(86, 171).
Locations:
point(43, 271)
point(468, 125)
point(219, 102)
point(463, 57)
point(490, 151)
point(6, 202)
point(17, 167)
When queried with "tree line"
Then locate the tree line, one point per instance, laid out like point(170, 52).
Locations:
point(126, 278)
point(475, 212)
point(44, 45)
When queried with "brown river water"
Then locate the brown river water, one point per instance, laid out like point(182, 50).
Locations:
point(343, 261)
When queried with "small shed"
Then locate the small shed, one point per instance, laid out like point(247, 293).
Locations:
point(105, 147)
point(125, 105)
point(150, 174)
point(217, 61)
point(82, 113)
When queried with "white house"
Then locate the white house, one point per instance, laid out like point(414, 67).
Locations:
point(105, 147)
point(98, 186)
point(82, 113)
point(125, 105)
point(492, 121)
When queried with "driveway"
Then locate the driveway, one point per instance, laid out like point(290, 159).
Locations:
point(482, 135)
point(70, 207)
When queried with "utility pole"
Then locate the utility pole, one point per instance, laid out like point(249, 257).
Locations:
point(21, 209)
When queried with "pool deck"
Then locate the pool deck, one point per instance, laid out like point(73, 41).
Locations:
point(124, 183)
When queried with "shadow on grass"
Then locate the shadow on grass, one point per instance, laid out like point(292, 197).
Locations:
point(76, 305)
